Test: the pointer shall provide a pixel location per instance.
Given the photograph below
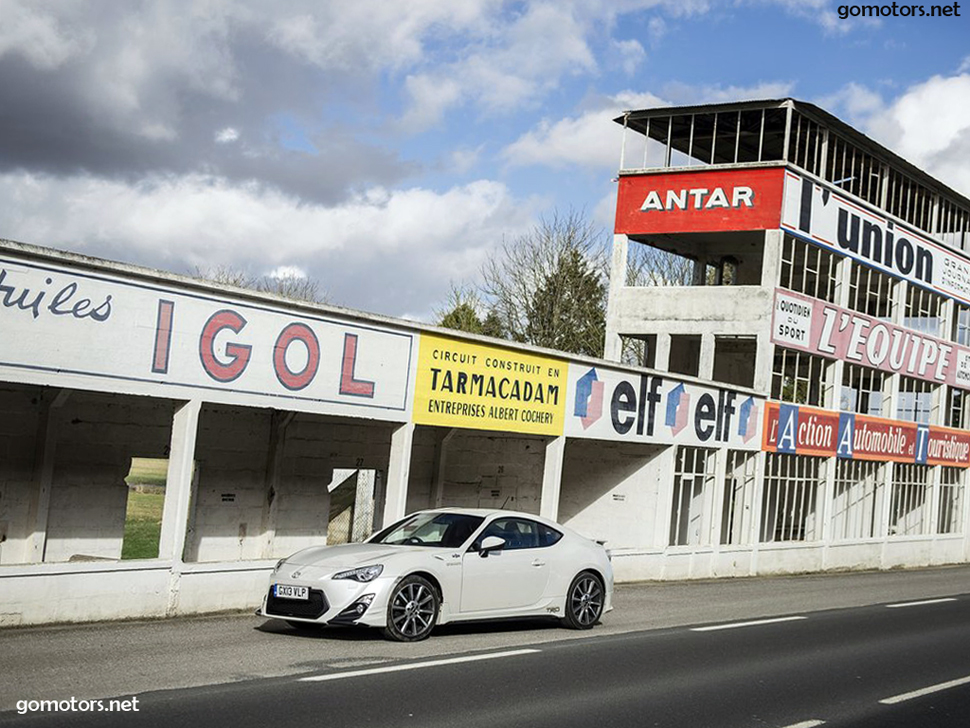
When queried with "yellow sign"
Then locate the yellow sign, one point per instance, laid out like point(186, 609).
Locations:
point(463, 384)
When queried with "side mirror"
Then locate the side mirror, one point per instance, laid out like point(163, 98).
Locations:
point(491, 543)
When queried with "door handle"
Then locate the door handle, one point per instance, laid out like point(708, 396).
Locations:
point(538, 562)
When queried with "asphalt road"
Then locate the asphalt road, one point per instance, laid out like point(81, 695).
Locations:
point(844, 653)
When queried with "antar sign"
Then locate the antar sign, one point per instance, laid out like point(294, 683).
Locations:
point(746, 199)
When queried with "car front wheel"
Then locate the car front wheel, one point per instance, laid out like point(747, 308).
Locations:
point(584, 601)
point(412, 610)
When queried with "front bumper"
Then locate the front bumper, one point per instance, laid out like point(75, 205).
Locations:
point(332, 603)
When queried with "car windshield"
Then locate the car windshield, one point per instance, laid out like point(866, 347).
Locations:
point(446, 530)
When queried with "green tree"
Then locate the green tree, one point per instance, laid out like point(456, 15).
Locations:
point(568, 310)
point(548, 286)
point(461, 311)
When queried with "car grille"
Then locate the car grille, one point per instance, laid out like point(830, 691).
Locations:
point(309, 609)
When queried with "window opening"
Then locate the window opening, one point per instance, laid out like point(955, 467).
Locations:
point(693, 480)
point(859, 486)
point(790, 495)
point(910, 502)
point(800, 377)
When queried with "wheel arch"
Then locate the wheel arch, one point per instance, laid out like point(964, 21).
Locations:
point(435, 582)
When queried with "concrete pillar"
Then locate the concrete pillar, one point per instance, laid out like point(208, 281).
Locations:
point(661, 360)
point(279, 422)
point(931, 525)
point(771, 260)
point(43, 475)
point(716, 503)
point(613, 346)
point(178, 483)
point(398, 470)
point(552, 478)
point(363, 502)
point(441, 462)
point(705, 367)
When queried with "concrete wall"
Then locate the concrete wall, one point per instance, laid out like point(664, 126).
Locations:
point(18, 435)
point(475, 470)
point(611, 491)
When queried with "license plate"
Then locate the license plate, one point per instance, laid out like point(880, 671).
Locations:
point(285, 591)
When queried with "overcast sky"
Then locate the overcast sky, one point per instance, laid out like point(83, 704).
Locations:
point(383, 148)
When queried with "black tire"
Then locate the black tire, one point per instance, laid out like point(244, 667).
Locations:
point(584, 601)
point(412, 610)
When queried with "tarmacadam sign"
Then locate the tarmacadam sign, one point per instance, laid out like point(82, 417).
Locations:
point(465, 384)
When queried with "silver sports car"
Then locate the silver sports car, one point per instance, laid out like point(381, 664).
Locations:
point(448, 565)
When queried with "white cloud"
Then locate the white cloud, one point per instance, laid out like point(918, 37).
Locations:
point(391, 251)
point(592, 140)
point(682, 93)
point(631, 54)
point(589, 140)
point(287, 271)
point(227, 135)
point(39, 36)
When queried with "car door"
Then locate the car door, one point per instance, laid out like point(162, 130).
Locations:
point(514, 577)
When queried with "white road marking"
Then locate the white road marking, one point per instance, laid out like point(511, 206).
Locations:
point(925, 691)
point(807, 724)
point(920, 604)
point(416, 665)
point(753, 623)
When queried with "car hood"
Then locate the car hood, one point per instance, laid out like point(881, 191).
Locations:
point(348, 555)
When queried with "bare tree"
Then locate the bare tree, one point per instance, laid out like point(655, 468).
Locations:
point(540, 284)
point(649, 266)
point(289, 285)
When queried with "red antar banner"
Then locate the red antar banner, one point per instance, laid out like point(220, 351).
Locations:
point(685, 202)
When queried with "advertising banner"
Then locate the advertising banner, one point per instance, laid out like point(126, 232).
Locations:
point(609, 404)
point(796, 429)
point(481, 387)
point(800, 322)
point(683, 202)
point(79, 329)
point(821, 214)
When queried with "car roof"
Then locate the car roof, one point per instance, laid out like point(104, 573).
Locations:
point(487, 512)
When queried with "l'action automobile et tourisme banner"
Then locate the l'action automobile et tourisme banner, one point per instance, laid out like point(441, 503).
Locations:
point(795, 429)
point(607, 404)
point(800, 322)
point(679, 202)
point(818, 213)
point(481, 387)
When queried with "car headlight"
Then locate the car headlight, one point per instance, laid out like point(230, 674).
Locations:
point(279, 564)
point(362, 574)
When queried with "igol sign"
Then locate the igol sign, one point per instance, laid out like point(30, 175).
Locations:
point(611, 405)
point(816, 212)
point(76, 328)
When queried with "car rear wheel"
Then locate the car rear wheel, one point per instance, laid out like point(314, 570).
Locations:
point(584, 601)
point(412, 610)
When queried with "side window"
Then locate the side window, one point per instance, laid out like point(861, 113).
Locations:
point(548, 536)
point(519, 534)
